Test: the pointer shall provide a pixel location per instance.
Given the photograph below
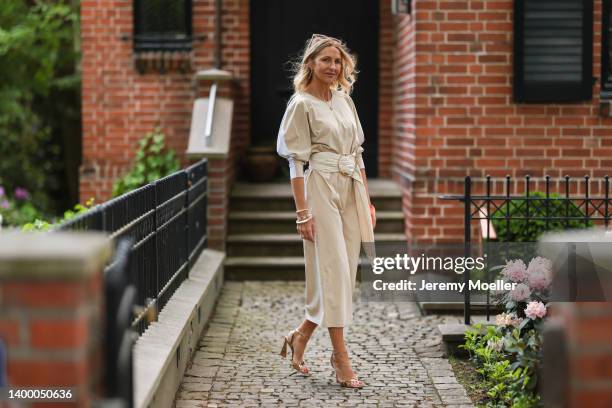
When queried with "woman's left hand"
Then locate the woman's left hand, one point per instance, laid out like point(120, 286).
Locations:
point(373, 215)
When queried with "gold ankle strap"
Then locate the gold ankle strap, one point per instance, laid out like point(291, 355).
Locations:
point(341, 363)
point(302, 334)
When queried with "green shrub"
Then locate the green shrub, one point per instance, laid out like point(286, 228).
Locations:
point(39, 99)
point(522, 231)
point(43, 225)
point(17, 208)
point(508, 371)
point(153, 161)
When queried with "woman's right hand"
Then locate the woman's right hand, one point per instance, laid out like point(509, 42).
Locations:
point(307, 230)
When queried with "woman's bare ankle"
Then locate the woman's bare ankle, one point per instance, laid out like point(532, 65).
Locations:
point(307, 328)
point(299, 347)
point(343, 366)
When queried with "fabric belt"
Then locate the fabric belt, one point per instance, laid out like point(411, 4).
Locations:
point(330, 162)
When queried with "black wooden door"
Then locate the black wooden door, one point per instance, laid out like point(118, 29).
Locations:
point(279, 30)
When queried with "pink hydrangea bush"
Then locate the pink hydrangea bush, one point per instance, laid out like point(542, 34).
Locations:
point(527, 301)
point(532, 281)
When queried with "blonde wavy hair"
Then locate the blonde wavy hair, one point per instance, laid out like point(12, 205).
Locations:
point(303, 74)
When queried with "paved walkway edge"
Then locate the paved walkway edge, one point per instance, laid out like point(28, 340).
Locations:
point(441, 373)
point(162, 353)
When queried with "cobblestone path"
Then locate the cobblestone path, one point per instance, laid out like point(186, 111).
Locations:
point(394, 350)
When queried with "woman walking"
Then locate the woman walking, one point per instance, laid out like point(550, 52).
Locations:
point(334, 214)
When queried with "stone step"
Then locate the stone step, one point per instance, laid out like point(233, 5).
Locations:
point(289, 268)
point(287, 203)
point(264, 268)
point(284, 245)
point(376, 187)
point(476, 307)
point(385, 195)
point(284, 221)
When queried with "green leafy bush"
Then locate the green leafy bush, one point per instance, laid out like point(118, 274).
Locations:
point(42, 225)
point(522, 231)
point(507, 363)
point(39, 100)
point(17, 208)
point(153, 161)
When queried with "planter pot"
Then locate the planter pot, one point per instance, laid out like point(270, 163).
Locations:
point(261, 164)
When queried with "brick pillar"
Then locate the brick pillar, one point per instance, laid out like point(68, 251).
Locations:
point(586, 329)
point(51, 299)
point(218, 202)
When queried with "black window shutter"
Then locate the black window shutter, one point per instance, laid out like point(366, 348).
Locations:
point(553, 55)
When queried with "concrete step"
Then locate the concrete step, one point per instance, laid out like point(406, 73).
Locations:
point(289, 268)
point(264, 268)
point(385, 195)
point(287, 203)
point(476, 307)
point(284, 222)
point(284, 245)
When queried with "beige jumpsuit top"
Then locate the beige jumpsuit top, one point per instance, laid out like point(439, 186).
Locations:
point(328, 135)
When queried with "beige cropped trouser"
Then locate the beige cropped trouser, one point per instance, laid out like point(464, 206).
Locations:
point(332, 260)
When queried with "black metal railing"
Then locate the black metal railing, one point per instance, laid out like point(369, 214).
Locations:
point(539, 204)
point(166, 221)
point(159, 230)
point(119, 339)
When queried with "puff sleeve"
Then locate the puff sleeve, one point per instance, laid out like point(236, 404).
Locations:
point(360, 135)
point(293, 141)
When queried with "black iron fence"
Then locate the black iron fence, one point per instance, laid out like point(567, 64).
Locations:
point(120, 300)
point(166, 222)
point(520, 210)
point(159, 231)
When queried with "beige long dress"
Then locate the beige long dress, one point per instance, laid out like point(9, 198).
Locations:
point(328, 135)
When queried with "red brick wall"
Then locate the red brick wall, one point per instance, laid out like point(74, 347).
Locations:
point(466, 122)
point(385, 90)
point(404, 58)
point(120, 105)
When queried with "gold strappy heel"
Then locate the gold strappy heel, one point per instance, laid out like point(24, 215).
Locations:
point(288, 341)
point(351, 383)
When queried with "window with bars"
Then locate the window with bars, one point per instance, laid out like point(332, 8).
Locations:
point(606, 51)
point(553, 55)
point(162, 25)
